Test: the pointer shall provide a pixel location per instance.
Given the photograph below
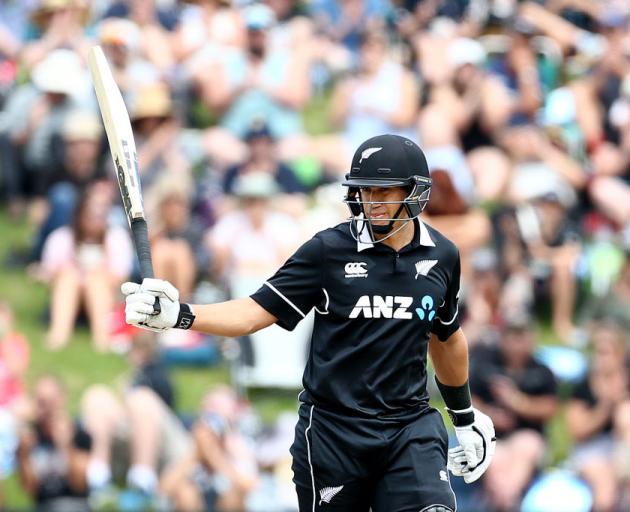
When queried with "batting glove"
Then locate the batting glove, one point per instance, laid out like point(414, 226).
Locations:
point(140, 299)
point(477, 443)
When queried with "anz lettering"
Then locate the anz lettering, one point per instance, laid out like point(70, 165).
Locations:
point(383, 307)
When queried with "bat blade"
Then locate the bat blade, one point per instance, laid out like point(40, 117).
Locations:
point(123, 149)
point(119, 133)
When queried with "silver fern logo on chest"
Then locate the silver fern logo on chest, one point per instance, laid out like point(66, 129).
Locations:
point(423, 267)
point(328, 493)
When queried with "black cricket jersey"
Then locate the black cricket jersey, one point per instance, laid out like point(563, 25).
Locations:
point(375, 311)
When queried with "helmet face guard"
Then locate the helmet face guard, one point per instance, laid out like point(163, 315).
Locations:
point(419, 191)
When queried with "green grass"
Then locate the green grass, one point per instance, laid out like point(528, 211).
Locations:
point(80, 366)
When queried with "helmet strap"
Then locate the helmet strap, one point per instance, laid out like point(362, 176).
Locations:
point(383, 230)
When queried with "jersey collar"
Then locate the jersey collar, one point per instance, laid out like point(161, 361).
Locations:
point(364, 240)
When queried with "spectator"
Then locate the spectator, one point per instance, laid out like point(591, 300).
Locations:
point(85, 264)
point(223, 471)
point(35, 113)
point(120, 40)
point(176, 241)
point(155, 25)
point(157, 136)
point(79, 155)
point(519, 394)
point(249, 242)
point(53, 453)
point(14, 404)
point(57, 24)
point(207, 26)
point(259, 82)
point(592, 410)
point(263, 158)
point(139, 436)
point(381, 97)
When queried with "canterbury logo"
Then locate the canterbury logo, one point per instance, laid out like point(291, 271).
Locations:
point(356, 269)
point(423, 267)
point(328, 493)
point(367, 153)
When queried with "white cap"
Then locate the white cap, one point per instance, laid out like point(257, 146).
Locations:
point(60, 72)
point(464, 50)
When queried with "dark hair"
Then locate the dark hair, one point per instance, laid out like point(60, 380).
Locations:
point(77, 230)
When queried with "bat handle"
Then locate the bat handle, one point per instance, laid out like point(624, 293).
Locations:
point(140, 234)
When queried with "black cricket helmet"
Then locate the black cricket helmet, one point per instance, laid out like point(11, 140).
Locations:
point(387, 161)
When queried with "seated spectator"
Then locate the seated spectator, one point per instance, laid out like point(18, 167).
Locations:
point(263, 157)
point(259, 82)
point(53, 453)
point(137, 437)
point(157, 136)
point(519, 394)
point(78, 166)
point(14, 404)
point(592, 410)
point(154, 24)
point(223, 470)
point(207, 26)
point(381, 97)
point(538, 240)
point(85, 264)
point(57, 24)
point(251, 241)
point(120, 40)
point(176, 239)
point(34, 115)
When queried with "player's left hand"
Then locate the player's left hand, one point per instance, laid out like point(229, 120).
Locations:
point(476, 448)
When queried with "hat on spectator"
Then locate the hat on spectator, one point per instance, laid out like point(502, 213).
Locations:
point(60, 72)
point(152, 100)
point(82, 125)
point(119, 32)
point(464, 50)
point(258, 129)
point(258, 17)
point(46, 7)
point(256, 184)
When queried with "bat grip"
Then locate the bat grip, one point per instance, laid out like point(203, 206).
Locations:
point(140, 235)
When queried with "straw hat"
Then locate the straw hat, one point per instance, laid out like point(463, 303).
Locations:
point(48, 7)
point(60, 72)
point(82, 125)
point(152, 100)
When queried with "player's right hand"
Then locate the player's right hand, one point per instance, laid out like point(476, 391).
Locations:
point(140, 299)
point(477, 443)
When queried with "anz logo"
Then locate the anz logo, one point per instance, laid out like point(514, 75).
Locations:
point(389, 306)
point(383, 307)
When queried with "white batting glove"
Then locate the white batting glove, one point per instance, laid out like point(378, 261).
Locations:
point(140, 299)
point(476, 448)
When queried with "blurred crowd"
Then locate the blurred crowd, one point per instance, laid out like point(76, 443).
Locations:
point(246, 115)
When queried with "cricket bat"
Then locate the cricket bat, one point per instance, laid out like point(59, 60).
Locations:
point(123, 149)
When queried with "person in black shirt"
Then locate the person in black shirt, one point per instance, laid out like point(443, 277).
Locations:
point(592, 412)
point(385, 288)
point(53, 454)
point(519, 394)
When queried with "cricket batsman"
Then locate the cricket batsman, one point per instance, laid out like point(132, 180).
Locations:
point(384, 287)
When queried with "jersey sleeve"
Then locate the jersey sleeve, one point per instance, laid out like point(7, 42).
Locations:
point(447, 318)
point(295, 288)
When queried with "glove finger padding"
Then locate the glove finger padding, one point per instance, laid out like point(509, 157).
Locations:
point(141, 298)
point(160, 288)
point(128, 288)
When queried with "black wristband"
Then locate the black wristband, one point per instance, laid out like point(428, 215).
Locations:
point(458, 403)
point(185, 318)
